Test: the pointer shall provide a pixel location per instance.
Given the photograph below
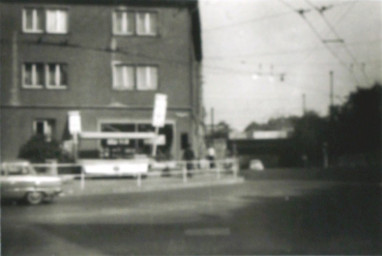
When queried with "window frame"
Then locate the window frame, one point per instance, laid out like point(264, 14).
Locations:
point(135, 31)
point(117, 87)
point(126, 19)
point(137, 79)
point(47, 122)
point(57, 76)
point(45, 76)
point(55, 32)
point(34, 85)
point(44, 27)
point(35, 11)
point(135, 67)
point(145, 33)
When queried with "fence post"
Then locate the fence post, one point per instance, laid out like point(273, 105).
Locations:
point(82, 179)
point(235, 168)
point(217, 169)
point(139, 180)
point(184, 172)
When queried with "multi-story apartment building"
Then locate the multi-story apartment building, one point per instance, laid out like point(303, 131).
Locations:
point(105, 59)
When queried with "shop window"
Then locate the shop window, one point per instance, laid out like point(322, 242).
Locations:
point(125, 148)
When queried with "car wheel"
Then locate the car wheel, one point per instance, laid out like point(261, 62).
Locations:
point(34, 197)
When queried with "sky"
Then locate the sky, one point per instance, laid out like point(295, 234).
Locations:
point(264, 59)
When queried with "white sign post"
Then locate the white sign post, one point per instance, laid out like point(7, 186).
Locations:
point(159, 116)
point(75, 129)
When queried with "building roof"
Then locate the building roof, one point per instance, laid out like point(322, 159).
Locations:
point(192, 6)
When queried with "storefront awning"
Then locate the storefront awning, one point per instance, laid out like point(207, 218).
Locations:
point(117, 135)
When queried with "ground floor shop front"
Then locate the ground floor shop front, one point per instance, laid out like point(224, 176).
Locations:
point(19, 124)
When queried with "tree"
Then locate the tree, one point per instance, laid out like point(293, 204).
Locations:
point(309, 137)
point(221, 130)
point(38, 149)
point(356, 126)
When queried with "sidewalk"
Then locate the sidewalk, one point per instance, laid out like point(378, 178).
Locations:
point(122, 185)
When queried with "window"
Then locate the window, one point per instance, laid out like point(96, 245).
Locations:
point(56, 76)
point(123, 77)
point(38, 75)
point(147, 78)
point(33, 75)
point(53, 21)
point(130, 23)
point(44, 127)
point(56, 21)
point(128, 77)
point(33, 20)
point(123, 23)
point(146, 23)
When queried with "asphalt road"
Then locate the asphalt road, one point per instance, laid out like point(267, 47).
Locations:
point(256, 217)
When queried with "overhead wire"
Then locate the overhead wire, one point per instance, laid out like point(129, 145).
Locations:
point(317, 34)
point(342, 42)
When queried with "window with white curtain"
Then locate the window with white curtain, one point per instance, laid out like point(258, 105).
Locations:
point(123, 77)
point(123, 23)
point(146, 23)
point(33, 20)
point(147, 78)
point(56, 21)
point(38, 75)
point(56, 75)
point(38, 20)
point(33, 75)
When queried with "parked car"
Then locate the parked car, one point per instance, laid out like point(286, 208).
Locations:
point(19, 181)
point(256, 165)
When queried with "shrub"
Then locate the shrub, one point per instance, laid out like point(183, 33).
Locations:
point(38, 149)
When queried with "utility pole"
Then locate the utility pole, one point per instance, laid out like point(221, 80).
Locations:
point(212, 121)
point(303, 105)
point(331, 91)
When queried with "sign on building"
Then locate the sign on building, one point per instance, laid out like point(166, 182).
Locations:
point(74, 122)
point(160, 108)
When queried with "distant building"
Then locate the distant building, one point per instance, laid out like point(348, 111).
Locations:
point(105, 59)
point(273, 147)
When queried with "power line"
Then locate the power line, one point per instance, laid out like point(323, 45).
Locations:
point(301, 12)
point(273, 16)
point(343, 43)
point(259, 54)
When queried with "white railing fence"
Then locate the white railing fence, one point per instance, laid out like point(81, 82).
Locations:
point(181, 169)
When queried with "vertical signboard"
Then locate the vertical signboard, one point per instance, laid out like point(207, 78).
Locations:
point(160, 108)
point(74, 122)
point(159, 116)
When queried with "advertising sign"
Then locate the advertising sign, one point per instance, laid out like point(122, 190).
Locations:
point(160, 140)
point(74, 122)
point(160, 107)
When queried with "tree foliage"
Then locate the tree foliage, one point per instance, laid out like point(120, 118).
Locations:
point(357, 124)
point(38, 149)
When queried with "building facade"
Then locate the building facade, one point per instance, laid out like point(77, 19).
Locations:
point(107, 60)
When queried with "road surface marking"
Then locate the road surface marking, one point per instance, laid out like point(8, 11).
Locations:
point(207, 232)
